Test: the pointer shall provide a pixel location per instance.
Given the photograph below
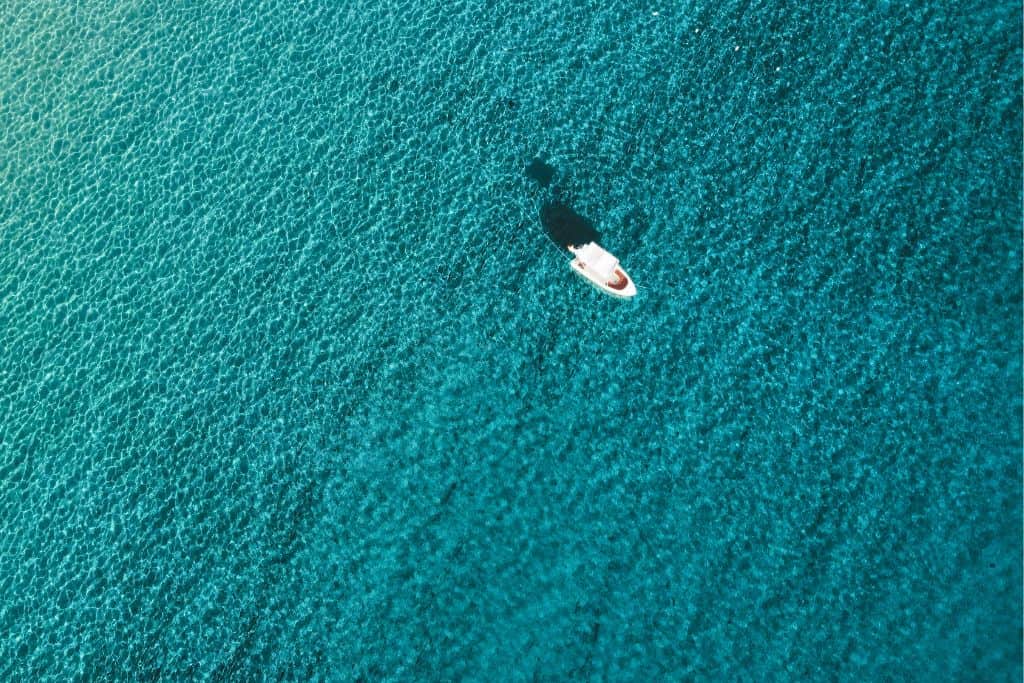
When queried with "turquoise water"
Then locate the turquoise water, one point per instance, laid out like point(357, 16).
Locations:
point(294, 386)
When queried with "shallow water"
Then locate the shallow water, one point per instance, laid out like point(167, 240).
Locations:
point(295, 386)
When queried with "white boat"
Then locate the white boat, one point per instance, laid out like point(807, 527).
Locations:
point(602, 270)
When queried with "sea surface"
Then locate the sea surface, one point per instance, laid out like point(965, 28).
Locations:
point(295, 383)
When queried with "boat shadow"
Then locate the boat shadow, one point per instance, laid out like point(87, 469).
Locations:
point(565, 227)
point(562, 224)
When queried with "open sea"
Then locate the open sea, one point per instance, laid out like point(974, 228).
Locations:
point(296, 385)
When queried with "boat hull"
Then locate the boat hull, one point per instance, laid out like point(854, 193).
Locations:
point(628, 291)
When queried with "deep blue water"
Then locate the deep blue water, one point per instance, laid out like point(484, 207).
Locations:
point(294, 386)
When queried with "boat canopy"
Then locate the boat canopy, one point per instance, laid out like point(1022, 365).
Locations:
point(597, 260)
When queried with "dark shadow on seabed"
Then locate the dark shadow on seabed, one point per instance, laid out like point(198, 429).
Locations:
point(564, 226)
